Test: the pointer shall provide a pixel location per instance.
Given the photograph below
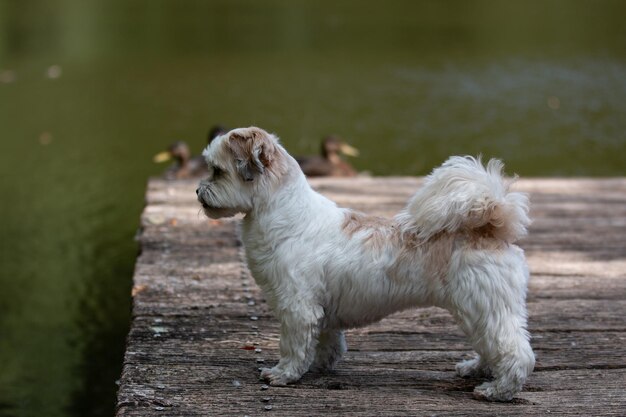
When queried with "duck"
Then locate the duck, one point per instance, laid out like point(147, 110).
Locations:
point(329, 163)
point(185, 165)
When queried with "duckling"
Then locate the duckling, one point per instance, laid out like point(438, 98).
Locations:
point(185, 165)
point(329, 163)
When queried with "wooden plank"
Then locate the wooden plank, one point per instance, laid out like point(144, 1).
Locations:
point(194, 305)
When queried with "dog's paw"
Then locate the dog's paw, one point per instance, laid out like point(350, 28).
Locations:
point(323, 367)
point(277, 377)
point(472, 368)
point(325, 363)
point(489, 391)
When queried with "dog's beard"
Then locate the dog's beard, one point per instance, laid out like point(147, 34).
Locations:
point(212, 206)
point(218, 212)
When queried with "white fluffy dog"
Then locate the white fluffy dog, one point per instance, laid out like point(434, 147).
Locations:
point(324, 269)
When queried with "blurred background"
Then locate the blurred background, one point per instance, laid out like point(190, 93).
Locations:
point(90, 90)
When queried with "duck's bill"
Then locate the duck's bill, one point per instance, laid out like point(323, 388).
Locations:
point(349, 150)
point(162, 157)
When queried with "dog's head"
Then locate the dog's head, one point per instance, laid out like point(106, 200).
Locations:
point(245, 165)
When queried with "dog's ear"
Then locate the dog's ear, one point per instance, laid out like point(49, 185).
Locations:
point(253, 149)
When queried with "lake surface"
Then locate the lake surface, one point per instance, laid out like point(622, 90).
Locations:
point(90, 90)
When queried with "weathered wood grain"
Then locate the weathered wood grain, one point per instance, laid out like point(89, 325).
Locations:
point(198, 316)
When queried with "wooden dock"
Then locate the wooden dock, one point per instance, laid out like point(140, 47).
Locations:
point(200, 327)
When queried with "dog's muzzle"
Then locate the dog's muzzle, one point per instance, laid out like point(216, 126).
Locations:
point(198, 193)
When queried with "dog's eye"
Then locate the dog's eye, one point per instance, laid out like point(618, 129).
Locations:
point(217, 172)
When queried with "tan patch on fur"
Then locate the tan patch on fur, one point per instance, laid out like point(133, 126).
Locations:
point(256, 152)
point(377, 229)
point(430, 257)
point(485, 238)
point(413, 254)
point(437, 254)
point(355, 222)
point(244, 143)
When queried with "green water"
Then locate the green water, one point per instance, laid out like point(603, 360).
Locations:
point(90, 90)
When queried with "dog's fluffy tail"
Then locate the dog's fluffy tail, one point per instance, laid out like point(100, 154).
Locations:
point(464, 196)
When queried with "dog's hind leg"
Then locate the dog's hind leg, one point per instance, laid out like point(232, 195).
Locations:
point(330, 348)
point(299, 332)
point(510, 359)
point(505, 353)
point(491, 311)
point(475, 367)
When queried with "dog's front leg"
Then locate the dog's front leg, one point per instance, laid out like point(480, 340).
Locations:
point(299, 332)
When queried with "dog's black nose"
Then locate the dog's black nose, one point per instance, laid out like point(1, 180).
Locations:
point(197, 191)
